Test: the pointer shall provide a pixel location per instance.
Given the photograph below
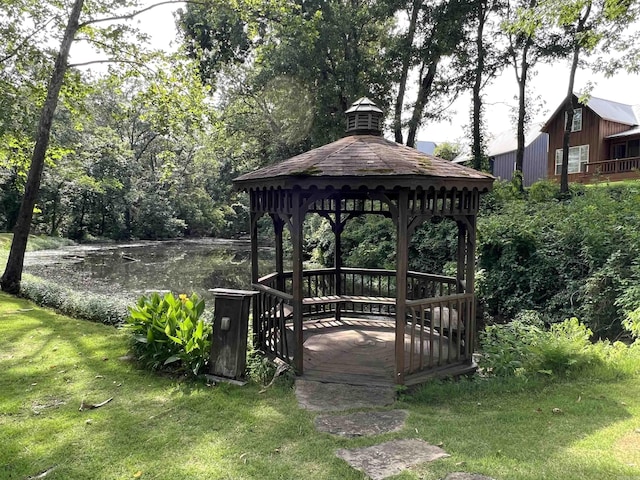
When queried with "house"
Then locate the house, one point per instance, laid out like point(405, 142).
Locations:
point(604, 142)
point(502, 155)
point(426, 147)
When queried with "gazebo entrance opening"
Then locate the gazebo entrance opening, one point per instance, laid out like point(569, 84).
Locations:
point(365, 325)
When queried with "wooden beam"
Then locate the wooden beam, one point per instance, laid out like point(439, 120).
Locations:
point(402, 267)
point(297, 219)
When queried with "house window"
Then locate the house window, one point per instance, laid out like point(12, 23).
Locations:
point(620, 150)
point(578, 159)
point(634, 148)
point(576, 126)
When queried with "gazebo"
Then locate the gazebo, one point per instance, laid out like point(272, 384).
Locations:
point(409, 326)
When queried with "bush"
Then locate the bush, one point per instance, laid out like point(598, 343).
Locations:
point(170, 332)
point(525, 348)
point(506, 349)
point(573, 258)
point(93, 307)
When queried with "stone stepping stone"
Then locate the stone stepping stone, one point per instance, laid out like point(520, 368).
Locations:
point(362, 423)
point(317, 396)
point(466, 476)
point(390, 458)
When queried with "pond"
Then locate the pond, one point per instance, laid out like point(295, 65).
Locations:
point(131, 269)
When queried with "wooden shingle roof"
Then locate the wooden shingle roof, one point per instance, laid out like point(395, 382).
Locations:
point(368, 161)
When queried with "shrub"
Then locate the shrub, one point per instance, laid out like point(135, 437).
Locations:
point(578, 257)
point(93, 307)
point(564, 347)
point(524, 347)
point(506, 349)
point(170, 332)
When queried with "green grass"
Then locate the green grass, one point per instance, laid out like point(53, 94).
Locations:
point(169, 429)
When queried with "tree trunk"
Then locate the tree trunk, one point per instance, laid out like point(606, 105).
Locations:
point(423, 94)
point(406, 62)
point(477, 148)
point(568, 105)
point(10, 281)
point(522, 97)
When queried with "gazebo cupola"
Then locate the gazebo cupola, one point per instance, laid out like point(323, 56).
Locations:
point(364, 118)
point(426, 320)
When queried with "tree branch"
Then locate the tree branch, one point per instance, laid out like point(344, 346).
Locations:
point(26, 40)
point(110, 60)
point(129, 16)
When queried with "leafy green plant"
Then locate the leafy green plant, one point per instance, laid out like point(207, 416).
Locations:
point(506, 348)
point(564, 347)
point(170, 332)
point(631, 323)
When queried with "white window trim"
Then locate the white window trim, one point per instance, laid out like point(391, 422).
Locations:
point(576, 126)
point(578, 166)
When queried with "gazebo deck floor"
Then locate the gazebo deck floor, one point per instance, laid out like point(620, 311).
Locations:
point(359, 351)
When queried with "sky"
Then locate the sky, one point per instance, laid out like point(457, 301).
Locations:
point(550, 83)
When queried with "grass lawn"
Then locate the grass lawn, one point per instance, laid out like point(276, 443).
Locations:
point(158, 428)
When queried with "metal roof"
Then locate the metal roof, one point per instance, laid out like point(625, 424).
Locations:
point(613, 111)
point(605, 109)
point(363, 160)
point(626, 133)
point(504, 142)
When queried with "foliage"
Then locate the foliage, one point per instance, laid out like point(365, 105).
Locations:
point(506, 348)
point(93, 307)
point(562, 258)
point(524, 347)
point(170, 332)
point(447, 150)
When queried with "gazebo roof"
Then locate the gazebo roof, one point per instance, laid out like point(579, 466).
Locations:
point(364, 161)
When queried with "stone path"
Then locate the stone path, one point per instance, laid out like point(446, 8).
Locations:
point(378, 461)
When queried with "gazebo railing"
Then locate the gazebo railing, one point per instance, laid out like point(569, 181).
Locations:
point(439, 322)
point(439, 331)
point(272, 312)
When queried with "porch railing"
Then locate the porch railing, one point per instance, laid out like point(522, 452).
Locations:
point(608, 167)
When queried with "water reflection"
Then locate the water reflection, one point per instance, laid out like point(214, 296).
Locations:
point(135, 268)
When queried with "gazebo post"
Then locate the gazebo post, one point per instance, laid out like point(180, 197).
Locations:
point(254, 247)
point(402, 268)
point(461, 257)
point(278, 227)
point(337, 262)
point(254, 275)
point(297, 219)
point(470, 280)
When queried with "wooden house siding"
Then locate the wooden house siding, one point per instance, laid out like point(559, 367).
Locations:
point(589, 135)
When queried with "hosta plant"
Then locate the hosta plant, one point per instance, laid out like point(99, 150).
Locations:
point(169, 332)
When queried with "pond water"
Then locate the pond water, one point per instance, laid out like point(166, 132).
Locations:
point(131, 269)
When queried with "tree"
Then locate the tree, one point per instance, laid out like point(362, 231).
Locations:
point(531, 40)
point(10, 281)
point(447, 150)
point(110, 38)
